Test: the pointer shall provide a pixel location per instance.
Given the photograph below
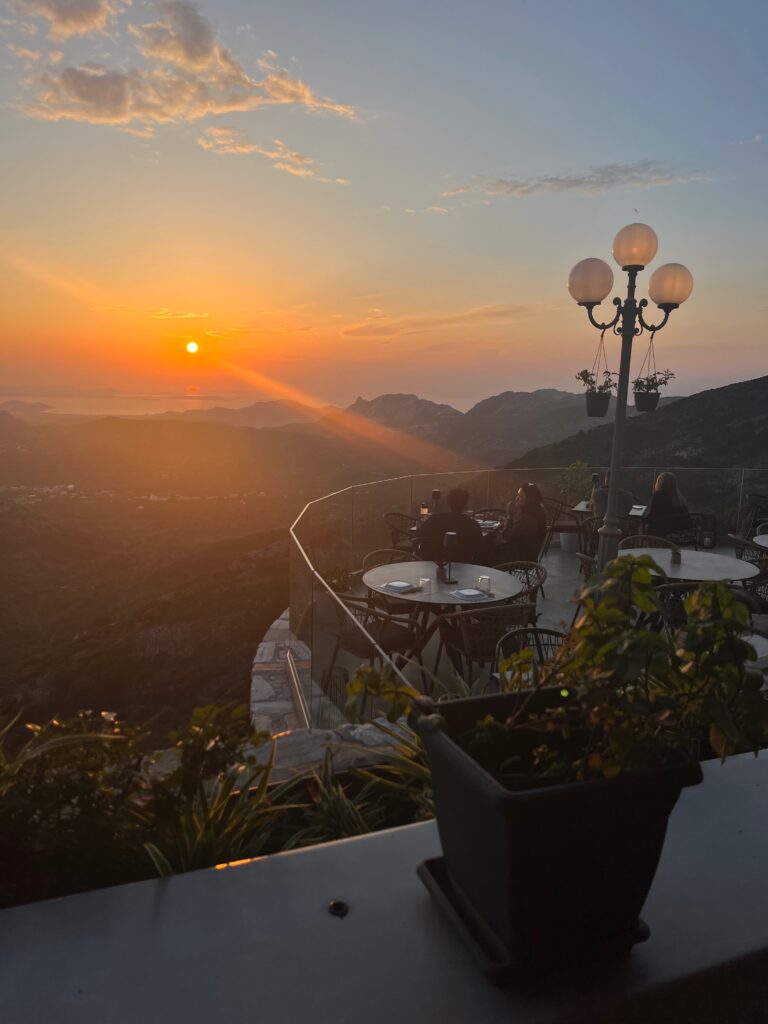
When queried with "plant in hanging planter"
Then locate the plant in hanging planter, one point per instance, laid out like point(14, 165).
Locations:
point(552, 798)
point(646, 389)
point(598, 393)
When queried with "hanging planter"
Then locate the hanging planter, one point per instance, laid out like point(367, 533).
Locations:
point(646, 387)
point(646, 401)
point(598, 403)
point(598, 396)
point(598, 391)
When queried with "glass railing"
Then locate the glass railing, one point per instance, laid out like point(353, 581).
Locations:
point(333, 534)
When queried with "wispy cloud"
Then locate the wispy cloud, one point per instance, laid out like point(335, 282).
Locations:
point(225, 139)
point(378, 325)
point(74, 17)
point(164, 313)
point(641, 174)
point(175, 314)
point(234, 142)
point(29, 57)
point(440, 210)
point(189, 73)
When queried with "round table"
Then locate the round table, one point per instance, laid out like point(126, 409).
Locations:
point(503, 585)
point(761, 540)
point(697, 566)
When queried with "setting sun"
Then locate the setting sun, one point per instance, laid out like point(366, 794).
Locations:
point(192, 347)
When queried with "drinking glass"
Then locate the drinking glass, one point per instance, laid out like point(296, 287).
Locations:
point(425, 585)
point(484, 584)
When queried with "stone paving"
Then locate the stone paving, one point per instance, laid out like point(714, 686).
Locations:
point(272, 701)
point(273, 710)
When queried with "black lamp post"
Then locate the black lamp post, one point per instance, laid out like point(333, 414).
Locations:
point(589, 283)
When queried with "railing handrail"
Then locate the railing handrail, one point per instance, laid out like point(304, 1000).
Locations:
point(501, 469)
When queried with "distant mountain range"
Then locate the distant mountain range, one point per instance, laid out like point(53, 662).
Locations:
point(195, 454)
point(492, 432)
point(724, 427)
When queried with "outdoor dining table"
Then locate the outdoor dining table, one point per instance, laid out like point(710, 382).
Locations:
point(761, 540)
point(697, 566)
point(440, 594)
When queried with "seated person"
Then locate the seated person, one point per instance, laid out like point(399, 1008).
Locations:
point(599, 500)
point(668, 512)
point(521, 538)
point(428, 542)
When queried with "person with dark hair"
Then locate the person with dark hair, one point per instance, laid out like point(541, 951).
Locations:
point(521, 538)
point(468, 546)
point(599, 499)
point(668, 513)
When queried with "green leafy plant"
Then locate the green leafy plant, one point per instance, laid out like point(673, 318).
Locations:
point(63, 792)
point(653, 381)
point(591, 385)
point(89, 802)
point(576, 483)
point(634, 698)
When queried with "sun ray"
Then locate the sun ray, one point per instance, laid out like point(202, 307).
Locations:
point(357, 429)
point(60, 280)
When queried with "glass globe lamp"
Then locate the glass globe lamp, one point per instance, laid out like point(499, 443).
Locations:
point(590, 281)
point(635, 246)
point(670, 285)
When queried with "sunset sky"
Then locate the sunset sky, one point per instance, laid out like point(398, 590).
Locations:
point(341, 198)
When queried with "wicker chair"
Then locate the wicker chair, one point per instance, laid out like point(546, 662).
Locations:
point(761, 530)
point(470, 636)
point(757, 555)
point(758, 512)
point(560, 519)
point(587, 569)
point(589, 537)
point(671, 598)
point(391, 636)
point(386, 556)
point(587, 566)
point(400, 526)
point(531, 575)
point(543, 642)
point(645, 540)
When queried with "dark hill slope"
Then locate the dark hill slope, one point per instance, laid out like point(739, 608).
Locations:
point(724, 427)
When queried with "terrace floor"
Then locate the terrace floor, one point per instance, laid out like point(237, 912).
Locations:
point(273, 697)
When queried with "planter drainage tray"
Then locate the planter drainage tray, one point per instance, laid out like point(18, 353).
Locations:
point(488, 951)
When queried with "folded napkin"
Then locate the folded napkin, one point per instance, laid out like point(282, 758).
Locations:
point(470, 594)
point(400, 587)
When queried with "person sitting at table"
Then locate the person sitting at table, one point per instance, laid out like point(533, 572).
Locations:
point(599, 499)
point(668, 512)
point(468, 546)
point(521, 537)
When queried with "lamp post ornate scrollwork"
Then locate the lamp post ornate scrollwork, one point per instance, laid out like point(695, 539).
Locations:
point(589, 283)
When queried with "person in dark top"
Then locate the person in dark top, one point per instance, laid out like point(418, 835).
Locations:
point(521, 538)
point(469, 536)
point(599, 500)
point(668, 513)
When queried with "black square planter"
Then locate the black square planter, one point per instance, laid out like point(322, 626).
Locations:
point(557, 874)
